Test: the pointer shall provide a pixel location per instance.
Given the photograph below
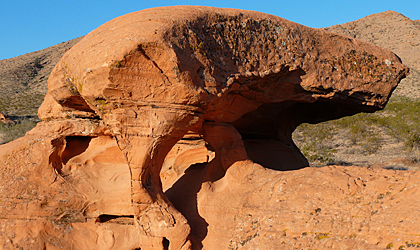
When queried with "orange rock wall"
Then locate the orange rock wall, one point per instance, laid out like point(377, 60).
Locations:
point(166, 129)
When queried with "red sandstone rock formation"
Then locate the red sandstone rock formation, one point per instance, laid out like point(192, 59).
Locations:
point(230, 85)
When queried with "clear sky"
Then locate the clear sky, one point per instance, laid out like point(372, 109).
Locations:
point(30, 25)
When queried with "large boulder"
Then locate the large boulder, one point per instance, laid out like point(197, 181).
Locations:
point(154, 93)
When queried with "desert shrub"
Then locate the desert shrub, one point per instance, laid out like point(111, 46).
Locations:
point(404, 121)
point(396, 167)
point(21, 104)
point(362, 130)
point(400, 119)
point(372, 143)
point(313, 140)
point(414, 155)
point(11, 132)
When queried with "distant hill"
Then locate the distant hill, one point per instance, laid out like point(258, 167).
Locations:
point(23, 85)
point(23, 79)
point(393, 31)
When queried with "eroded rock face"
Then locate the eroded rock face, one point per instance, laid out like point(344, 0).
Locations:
point(228, 85)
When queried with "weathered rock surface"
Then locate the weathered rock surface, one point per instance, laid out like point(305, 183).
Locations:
point(333, 207)
point(250, 207)
point(144, 91)
point(23, 79)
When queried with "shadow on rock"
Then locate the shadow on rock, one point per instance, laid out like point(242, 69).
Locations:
point(183, 195)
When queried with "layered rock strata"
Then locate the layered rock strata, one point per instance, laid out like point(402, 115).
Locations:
point(236, 83)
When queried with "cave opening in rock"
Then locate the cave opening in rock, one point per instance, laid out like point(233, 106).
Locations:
point(165, 243)
point(95, 166)
point(66, 148)
point(120, 219)
point(75, 145)
point(267, 131)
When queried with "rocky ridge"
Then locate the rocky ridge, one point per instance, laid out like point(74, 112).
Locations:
point(23, 79)
point(23, 86)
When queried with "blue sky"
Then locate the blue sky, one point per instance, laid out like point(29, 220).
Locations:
point(30, 25)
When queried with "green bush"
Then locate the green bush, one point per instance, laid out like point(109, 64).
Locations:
point(313, 141)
